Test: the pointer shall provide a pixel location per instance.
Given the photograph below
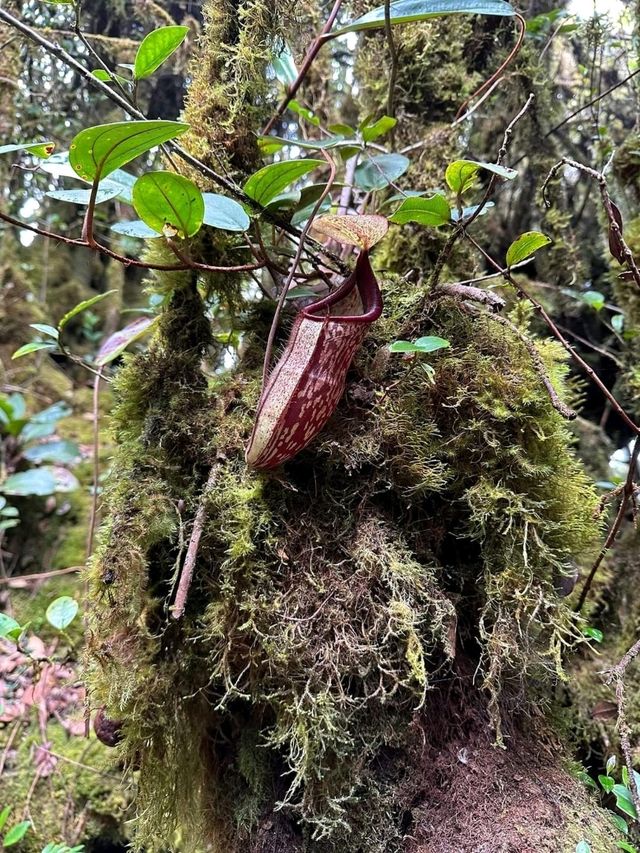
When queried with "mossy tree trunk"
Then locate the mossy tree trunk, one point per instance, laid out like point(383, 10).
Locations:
point(368, 655)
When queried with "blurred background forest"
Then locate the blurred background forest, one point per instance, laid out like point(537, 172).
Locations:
point(579, 60)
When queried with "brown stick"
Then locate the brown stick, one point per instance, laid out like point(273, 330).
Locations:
point(19, 580)
point(186, 575)
point(307, 62)
point(539, 366)
point(96, 462)
point(560, 337)
point(619, 672)
point(488, 83)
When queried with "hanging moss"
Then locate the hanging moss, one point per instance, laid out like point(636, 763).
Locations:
point(227, 98)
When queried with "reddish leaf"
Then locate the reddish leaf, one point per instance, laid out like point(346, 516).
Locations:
point(615, 243)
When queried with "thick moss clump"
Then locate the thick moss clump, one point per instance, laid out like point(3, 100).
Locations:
point(227, 98)
point(426, 527)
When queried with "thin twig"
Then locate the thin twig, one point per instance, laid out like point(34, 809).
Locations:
point(96, 462)
point(307, 62)
point(627, 495)
point(560, 337)
point(514, 52)
point(618, 672)
point(539, 367)
point(20, 580)
point(393, 52)
point(591, 103)
point(186, 576)
point(624, 254)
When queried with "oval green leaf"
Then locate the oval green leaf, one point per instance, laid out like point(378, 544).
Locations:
point(378, 172)
point(33, 346)
point(225, 213)
point(61, 452)
point(98, 151)
point(525, 246)
point(378, 128)
point(135, 228)
point(155, 48)
point(7, 625)
point(105, 193)
point(16, 833)
point(405, 11)
point(37, 481)
point(61, 612)
point(165, 199)
point(82, 306)
point(265, 184)
point(432, 211)
point(119, 341)
point(430, 343)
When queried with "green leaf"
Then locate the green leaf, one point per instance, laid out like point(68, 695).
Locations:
point(45, 330)
point(378, 128)
point(594, 299)
point(624, 800)
point(157, 47)
point(165, 199)
point(38, 149)
point(104, 193)
point(7, 624)
point(378, 172)
point(429, 343)
point(606, 783)
point(594, 633)
point(37, 481)
point(297, 108)
point(119, 341)
point(265, 184)
point(61, 612)
point(34, 346)
point(4, 814)
point(82, 306)
point(525, 246)
point(583, 847)
point(284, 66)
point(102, 75)
point(225, 213)
point(98, 151)
point(135, 228)
point(620, 822)
point(269, 144)
point(461, 174)
point(16, 833)
point(469, 211)
point(617, 322)
point(404, 11)
point(61, 452)
point(625, 845)
point(432, 211)
point(52, 414)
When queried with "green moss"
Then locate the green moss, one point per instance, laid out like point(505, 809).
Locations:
point(83, 800)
